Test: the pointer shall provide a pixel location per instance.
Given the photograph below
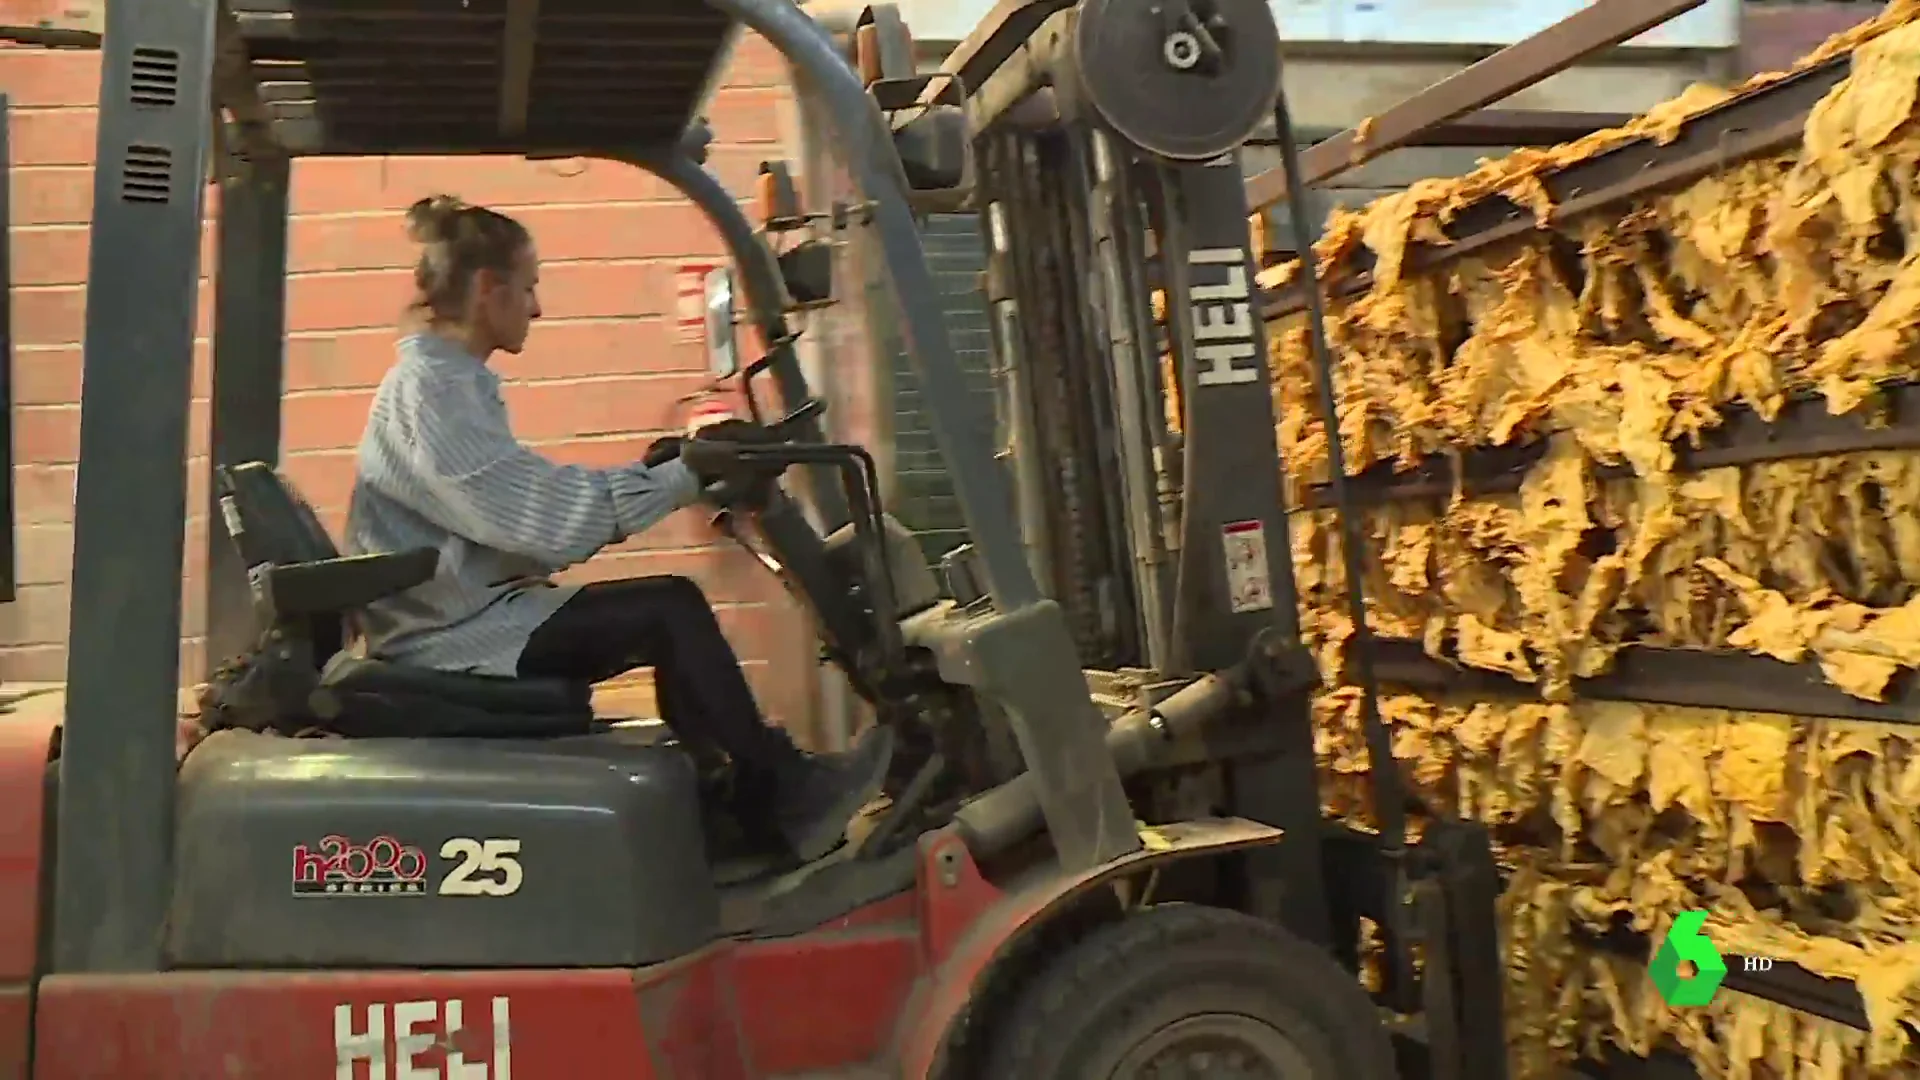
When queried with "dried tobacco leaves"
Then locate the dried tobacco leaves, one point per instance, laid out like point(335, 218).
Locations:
point(1609, 342)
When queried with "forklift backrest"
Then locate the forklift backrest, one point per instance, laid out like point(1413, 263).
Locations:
point(272, 525)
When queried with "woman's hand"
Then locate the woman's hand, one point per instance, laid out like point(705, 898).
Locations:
point(661, 451)
point(713, 455)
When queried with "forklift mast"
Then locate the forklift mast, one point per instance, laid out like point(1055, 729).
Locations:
point(1099, 179)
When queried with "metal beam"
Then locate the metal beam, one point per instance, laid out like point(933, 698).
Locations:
point(1512, 69)
point(1761, 121)
point(517, 40)
point(1022, 652)
point(114, 874)
point(249, 327)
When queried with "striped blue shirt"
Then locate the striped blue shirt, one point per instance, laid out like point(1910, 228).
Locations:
point(439, 467)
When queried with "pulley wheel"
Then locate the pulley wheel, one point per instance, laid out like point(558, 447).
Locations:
point(1185, 79)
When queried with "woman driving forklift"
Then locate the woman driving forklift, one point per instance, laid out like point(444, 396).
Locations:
point(439, 467)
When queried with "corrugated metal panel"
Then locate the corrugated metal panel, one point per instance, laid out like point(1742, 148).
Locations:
point(923, 498)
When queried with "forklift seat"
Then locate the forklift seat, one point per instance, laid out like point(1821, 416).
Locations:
point(302, 675)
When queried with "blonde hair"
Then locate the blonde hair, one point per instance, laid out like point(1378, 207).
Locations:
point(458, 240)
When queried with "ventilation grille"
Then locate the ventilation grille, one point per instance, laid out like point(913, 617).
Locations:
point(146, 174)
point(156, 77)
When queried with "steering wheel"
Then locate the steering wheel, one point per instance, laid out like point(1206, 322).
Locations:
point(746, 469)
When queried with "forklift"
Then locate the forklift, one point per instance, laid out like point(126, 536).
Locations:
point(368, 870)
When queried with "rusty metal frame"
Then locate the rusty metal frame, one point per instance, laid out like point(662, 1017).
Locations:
point(1758, 122)
point(1498, 127)
point(1803, 429)
point(1656, 675)
point(1512, 69)
point(1784, 982)
point(1763, 121)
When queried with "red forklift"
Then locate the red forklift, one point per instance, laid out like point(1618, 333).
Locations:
point(366, 870)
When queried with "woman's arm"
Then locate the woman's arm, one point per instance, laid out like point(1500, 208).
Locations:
point(444, 448)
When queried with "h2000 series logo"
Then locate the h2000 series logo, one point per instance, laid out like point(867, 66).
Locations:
point(1687, 970)
point(383, 866)
point(337, 866)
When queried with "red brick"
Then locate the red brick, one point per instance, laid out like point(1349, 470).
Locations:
point(325, 420)
point(324, 477)
point(48, 316)
point(45, 435)
point(558, 349)
point(746, 114)
point(33, 663)
point(37, 616)
point(787, 694)
point(564, 349)
point(337, 185)
point(545, 411)
point(42, 494)
point(562, 233)
point(60, 195)
point(338, 361)
point(46, 376)
point(755, 62)
point(193, 596)
point(370, 299)
point(773, 633)
point(193, 661)
point(738, 168)
point(52, 136)
point(42, 78)
point(49, 254)
point(649, 230)
point(43, 554)
point(367, 185)
point(198, 428)
point(348, 301)
point(608, 290)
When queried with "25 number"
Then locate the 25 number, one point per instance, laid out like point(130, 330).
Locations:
point(481, 867)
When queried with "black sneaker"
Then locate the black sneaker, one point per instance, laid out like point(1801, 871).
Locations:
point(819, 795)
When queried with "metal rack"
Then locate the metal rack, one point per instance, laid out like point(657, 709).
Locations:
point(1760, 121)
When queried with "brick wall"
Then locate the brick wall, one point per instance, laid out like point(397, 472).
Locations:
point(599, 380)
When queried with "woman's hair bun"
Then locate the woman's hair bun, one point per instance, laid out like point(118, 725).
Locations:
point(430, 220)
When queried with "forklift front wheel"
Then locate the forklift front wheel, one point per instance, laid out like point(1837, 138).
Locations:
point(1184, 992)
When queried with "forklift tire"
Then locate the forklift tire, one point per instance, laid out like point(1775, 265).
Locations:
point(1184, 992)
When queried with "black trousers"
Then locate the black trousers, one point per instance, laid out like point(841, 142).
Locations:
point(665, 623)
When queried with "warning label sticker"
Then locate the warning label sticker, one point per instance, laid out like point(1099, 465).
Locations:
point(1249, 581)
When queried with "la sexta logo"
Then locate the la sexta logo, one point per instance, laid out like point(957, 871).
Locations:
point(337, 866)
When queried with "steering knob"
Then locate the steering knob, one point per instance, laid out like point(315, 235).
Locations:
point(710, 458)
